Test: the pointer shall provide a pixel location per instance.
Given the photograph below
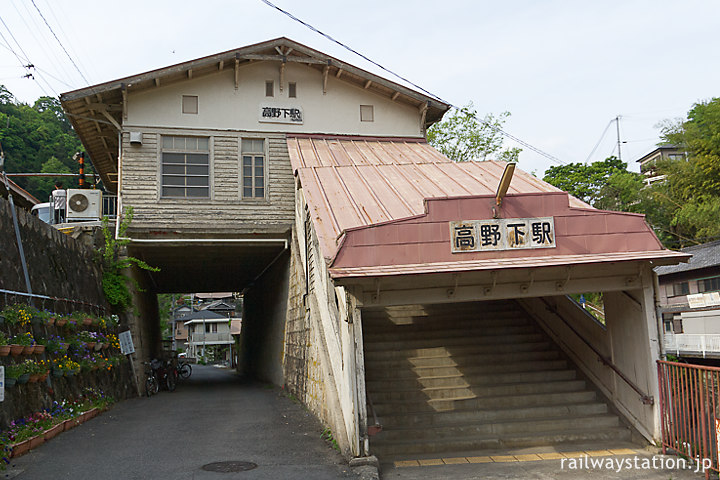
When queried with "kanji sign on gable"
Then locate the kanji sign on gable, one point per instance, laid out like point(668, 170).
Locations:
point(502, 234)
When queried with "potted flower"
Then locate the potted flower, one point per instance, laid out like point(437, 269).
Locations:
point(12, 372)
point(26, 340)
point(18, 314)
point(4, 345)
point(60, 320)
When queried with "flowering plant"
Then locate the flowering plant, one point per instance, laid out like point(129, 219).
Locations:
point(24, 339)
point(18, 314)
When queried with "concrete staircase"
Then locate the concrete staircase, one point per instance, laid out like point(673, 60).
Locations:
point(474, 376)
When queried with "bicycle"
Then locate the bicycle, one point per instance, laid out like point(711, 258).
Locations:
point(184, 370)
point(152, 386)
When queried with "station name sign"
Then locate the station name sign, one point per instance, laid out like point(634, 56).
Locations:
point(275, 114)
point(502, 234)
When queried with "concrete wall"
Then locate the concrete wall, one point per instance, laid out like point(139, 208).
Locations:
point(221, 106)
point(703, 322)
point(264, 318)
point(59, 265)
point(629, 340)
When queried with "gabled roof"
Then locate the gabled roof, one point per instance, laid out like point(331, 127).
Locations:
point(352, 182)
point(202, 315)
point(383, 206)
point(703, 256)
point(98, 110)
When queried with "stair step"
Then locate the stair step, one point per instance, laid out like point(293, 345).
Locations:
point(507, 396)
point(451, 374)
point(386, 449)
point(442, 341)
point(526, 426)
point(404, 367)
point(428, 419)
point(470, 348)
point(440, 323)
point(408, 332)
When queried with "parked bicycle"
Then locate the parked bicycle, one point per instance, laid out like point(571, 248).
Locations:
point(184, 370)
point(152, 386)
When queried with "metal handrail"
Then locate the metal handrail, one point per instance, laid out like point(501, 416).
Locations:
point(646, 399)
point(377, 426)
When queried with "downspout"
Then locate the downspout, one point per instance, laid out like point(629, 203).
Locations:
point(118, 205)
point(658, 314)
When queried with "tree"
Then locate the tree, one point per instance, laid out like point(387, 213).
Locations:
point(43, 186)
point(32, 135)
point(589, 182)
point(699, 135)
point(463, 137)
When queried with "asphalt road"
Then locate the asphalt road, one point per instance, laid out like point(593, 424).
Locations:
point(214, 416)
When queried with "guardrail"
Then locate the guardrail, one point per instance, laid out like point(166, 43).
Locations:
point(680, 343)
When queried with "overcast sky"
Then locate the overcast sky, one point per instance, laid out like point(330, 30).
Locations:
point(563, 69)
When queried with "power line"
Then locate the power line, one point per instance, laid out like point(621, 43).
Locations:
point(599, 141)
point(493, 127)
point(59, 42)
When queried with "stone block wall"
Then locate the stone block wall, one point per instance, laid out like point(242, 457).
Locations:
point(58, 265)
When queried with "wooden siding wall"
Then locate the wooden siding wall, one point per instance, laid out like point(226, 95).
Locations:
point(225, 212)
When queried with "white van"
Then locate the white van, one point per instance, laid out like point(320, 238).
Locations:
point(44, 211)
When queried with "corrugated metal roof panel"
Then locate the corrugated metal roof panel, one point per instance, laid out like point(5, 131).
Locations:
point(352, 182)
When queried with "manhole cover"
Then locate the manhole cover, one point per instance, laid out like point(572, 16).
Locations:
point(229, 467)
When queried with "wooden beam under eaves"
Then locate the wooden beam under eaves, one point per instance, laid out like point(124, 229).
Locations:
point(326, 70)
point(221, 64)
point(280, 58)
point(157, 81)
point(237, 72)
point(394, 96)
point(367, 84)
point(189, 73)
point(339, 72)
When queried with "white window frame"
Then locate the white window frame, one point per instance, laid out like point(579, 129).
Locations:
point(162, 164)
point(241, 169)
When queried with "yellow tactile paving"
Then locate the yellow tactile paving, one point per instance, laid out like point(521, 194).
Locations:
point(623, 451)
point(551, 456)
point(479, 459)
point(599, 453)
point(527, 458)
point(533, 457)
point(503, 458)
point(574, 454)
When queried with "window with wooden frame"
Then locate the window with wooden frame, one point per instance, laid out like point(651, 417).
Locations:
point(367, 113)
point(269, 88)
point(292, 90)
point(185, 163)
point(190, 104)
point(253, 168)
point(711, 284)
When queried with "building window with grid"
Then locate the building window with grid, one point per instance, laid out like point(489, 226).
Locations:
point(253, 168)
point(185, 167)
point(680, 288)
point(709, 284)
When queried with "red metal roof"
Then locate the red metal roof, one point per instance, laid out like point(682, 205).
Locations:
point(353, 182)
point(383, 207)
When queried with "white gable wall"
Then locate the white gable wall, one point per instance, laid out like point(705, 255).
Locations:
point(221, 106)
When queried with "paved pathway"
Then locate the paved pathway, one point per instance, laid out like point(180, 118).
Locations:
point(212, 417)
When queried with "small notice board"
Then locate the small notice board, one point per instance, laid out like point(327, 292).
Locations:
point(126, 343)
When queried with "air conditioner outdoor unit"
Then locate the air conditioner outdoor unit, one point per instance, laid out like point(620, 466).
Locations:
point(83, 205)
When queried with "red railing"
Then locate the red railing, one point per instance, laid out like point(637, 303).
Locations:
point(690, 411)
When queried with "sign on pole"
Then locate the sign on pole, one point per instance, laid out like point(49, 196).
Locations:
point(126, 343)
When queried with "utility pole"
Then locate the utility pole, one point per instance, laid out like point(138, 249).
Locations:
point(617, 125)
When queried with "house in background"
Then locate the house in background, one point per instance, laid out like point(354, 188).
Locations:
point(209, 336)
point(690, 298)
point(649, 161)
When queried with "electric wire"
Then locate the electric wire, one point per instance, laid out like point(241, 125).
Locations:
point(37, 33)
point(59, 42)
point(493, 127)
point(59, 24)
point(607, 127)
